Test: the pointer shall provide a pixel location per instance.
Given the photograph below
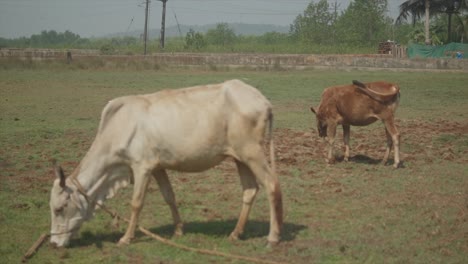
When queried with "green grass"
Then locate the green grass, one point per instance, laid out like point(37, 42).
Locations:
point(355, 212)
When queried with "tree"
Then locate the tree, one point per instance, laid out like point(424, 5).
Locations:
point(273, 38)
point(194, 40)
point(416, 8)
point(316, 24)
point(462, 28)
point(364, 21)
point(418, 33)
point(222, 35)
point(53, 39)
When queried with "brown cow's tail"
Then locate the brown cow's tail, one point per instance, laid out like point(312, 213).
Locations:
point(270, 142)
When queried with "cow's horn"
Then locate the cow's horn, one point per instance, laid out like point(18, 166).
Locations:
point(358, 83)
point(59, 173)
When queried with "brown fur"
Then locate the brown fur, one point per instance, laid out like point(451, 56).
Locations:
point(358, 104)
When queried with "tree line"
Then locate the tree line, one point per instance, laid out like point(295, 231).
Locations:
point(320, 28)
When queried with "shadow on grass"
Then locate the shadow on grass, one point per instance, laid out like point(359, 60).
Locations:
point(365, 159)
point(222, 228)
point(362, 159)
point(97, 239)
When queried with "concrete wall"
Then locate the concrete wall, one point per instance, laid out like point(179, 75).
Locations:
point(249, 60)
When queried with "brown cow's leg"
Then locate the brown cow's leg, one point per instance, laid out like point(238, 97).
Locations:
point(254, 158)
point(395, 135)
point(250, 189)
point(331, 132)
point(139, 190)
point(169, 197)
point(346, 134)
point(396, 146)
point(389, 147)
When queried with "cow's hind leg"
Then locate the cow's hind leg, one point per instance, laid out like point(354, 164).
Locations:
point(346, 134)
point(331, 132)
point(254, 158)
point(393, 137)
point(388, 148)
point(250, 189)
point(141, 176)
point(169, 197)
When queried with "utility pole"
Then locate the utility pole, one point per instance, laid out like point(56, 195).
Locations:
point(163, 23)
point(145, 37)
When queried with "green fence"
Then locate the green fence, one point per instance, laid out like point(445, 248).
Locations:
point(452, 50)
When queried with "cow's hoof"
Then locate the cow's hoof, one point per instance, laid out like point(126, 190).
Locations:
point(397, 165)
point(272, 244)
point(234, 236)
point(123, 242)
point(179, 230)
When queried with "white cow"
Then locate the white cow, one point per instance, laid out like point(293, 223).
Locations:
point(189, 130)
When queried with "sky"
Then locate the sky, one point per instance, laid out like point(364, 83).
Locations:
point(94, 18)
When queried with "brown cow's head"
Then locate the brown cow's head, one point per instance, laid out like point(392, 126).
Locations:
point(68, 210)
point(321, 125)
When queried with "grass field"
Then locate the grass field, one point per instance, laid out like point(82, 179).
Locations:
point(355, 212)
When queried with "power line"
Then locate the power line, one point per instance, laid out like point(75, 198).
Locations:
point(131, 21)
point(177, 21)
point(203, 11)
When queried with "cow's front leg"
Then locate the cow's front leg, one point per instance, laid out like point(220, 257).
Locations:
point(346, 134)
point(331, 132)
point(396, 150)
point(139, 191)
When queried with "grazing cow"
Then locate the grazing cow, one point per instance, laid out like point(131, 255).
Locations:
point(358, 104)
point(189, 130)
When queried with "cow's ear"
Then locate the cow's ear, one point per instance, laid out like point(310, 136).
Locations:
point(313, 110)
point(59, 173)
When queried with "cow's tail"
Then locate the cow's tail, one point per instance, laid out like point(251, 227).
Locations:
point(270, 142)
point(277, 196)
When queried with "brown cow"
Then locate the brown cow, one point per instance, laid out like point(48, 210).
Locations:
point(189, 130)
point(358, 104)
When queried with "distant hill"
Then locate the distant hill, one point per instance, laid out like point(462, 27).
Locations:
point(239, 29)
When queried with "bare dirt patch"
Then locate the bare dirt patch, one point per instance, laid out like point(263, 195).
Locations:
point(421, 141)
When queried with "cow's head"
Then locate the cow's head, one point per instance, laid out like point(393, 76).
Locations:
point(68, 210)
point(321, 124)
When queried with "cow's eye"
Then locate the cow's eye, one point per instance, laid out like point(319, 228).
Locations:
point(58, 210)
